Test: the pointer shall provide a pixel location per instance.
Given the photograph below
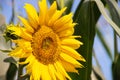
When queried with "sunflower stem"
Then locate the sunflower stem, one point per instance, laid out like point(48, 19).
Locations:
point(20, 69)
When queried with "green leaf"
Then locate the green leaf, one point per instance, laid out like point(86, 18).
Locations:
point(86, 16)
point(51, 1)
point(68, 4)
point(97, 75)
point(20, 69)
point(10, 60)
point(97, 70)
point(115, 14)
point(11, 72)
point(24, 77)
point(107, 18)
point(116, 69)
point(63, 3)
point(5, 51)
point(114, 11)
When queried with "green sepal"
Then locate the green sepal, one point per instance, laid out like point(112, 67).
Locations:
point(8, 35)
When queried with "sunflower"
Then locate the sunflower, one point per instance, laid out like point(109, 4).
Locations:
point(46, 41)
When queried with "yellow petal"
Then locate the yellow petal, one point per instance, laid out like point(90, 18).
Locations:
point(66, 33)
point(56, 16)
point(52, 71)
point(36, 70)
point(70, 60)
point(31, 77)
point(43, 10)
point(74, 36)
point(29, 59)
point(45, 73)
point(25, 35)
point(60, 76)
point(26, 24)
point(51, 11)
point(73, 53)
point(68, 67)
point(53, 8)
point(65, 27)
point(73, 43)
point(25, 45)
point(20, 31)
point(18, 52)
point(32, 15)
point(70, 37)
point(16, 29)
point(62, 21)
point(60, 68)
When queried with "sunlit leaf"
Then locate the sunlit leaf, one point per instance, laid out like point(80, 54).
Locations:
point(5, 51)
point(107, 18)
point(97, 69)
point(98, 73)
point(114, 10)
point(115, 14)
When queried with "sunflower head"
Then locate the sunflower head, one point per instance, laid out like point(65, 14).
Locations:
point(47, 42)
point(45, 45)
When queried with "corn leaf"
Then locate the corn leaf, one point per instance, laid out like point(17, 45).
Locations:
point(107, 18)
point(86, 16)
